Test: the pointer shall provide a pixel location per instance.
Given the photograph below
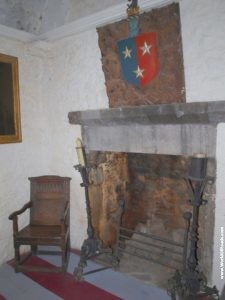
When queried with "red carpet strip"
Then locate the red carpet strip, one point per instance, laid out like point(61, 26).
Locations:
point(64, 285)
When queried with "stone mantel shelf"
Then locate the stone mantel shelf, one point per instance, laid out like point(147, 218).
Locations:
point(173, 129)
point(210, 113)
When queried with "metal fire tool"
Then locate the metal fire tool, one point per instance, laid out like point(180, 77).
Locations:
point(191, 282)
point(91, 246)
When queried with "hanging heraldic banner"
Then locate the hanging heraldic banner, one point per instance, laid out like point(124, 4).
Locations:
point(162, 68)
point(139, 59)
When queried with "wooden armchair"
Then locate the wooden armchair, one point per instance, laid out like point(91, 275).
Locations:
point(49, 221)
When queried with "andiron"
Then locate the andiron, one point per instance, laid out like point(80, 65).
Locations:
point(191, 282)
point(91, 246)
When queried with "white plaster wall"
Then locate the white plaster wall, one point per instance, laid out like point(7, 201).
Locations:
point(74, 81)
point(219, 238)
point(70, 78)
point(76, 71)
point(51, 84)
point(203, 27)
point(19, 161)
point(80, 85)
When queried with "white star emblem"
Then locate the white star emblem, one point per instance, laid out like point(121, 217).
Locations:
point(145, 48)
point(139, 72)
point(127, 53)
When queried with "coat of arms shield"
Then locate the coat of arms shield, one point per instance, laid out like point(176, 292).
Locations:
point(139, 58)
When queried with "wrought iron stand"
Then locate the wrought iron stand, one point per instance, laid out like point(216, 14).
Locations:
point(191, 282)
point(92, 245)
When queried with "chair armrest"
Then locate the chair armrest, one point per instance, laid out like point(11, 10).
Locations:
point(20, 211)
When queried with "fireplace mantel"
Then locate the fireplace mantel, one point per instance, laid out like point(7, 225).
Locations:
point(174, 129)
point(182, 113)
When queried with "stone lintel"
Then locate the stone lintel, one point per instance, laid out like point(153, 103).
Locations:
point(155, 139)
point(210, 113)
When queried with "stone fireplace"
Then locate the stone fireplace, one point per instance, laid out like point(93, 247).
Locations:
point(142, 154)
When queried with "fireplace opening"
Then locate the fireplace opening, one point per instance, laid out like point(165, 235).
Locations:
point(155, 195)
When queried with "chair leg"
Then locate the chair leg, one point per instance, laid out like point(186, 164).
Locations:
point(67, 250)
point(65, 254)
point(17, 256)
point(64, 266)
point(34, 250)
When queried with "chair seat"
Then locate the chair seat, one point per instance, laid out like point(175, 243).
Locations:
point(40, 233)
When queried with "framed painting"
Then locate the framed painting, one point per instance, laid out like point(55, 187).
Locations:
point(10, 123)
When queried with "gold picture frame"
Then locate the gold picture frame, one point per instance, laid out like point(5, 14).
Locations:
point(10, 121)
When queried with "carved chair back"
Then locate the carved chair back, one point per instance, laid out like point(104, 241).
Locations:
point(49, 195)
